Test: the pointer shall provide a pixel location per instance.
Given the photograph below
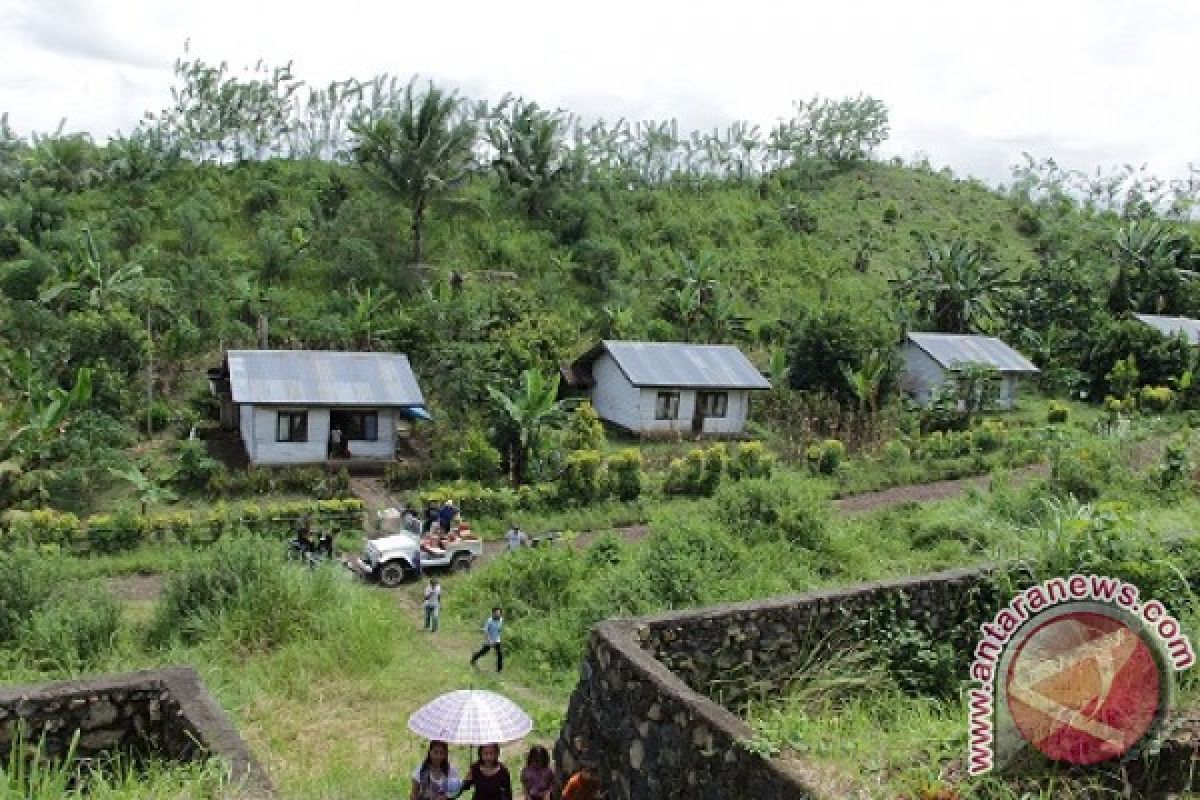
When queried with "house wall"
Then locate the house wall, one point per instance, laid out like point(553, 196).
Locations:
point(613, 396)
point(646, 406)
point(258, 433)
point(922, 375)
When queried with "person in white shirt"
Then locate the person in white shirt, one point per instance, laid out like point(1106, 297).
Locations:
point(433, 605)
point(515, 537)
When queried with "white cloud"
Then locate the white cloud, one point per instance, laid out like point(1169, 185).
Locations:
point(972, 84)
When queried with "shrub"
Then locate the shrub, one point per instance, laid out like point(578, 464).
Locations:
point(472, 499)
point(697, 473)
point(257, 480)
point(303, 480)
point(891, 214)
point(988, 437)
point(194, 468)
point(797, 511)
point(1083, 472)
point(750, 460)
point(114, 533)
point(72, 633)
point(625, 472)
point(584, 430)
point(1156, 398)
point(582, 478)
point(45, 527)
point(826, 457)
point(478, 460)
point(1057, 413)
point(896, 454)
point(26, 582)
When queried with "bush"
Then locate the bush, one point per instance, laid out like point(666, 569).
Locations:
point(750, 460)
point(472, 499)
point(891, 214)
point(797, 511)
point(625, 472)
point(1156, 398)
point(303, 480)
point(584, 430)
point(698, 473)
point(113, 533)
point(1057, 413)
point(1083, 472)
point(478, 460)
point(73, 633)
point(988, 437)
point(582, 478)
point(44, 527)
point(896, 454)
point(26, 583)
point(194, 468)
point(826, 457)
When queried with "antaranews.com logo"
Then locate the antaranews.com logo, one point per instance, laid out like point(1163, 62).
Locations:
point(1079, 667)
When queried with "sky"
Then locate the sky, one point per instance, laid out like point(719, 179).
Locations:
point(971, 84)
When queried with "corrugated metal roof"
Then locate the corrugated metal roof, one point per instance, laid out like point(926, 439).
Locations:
point(322, 378)
point(717, 366)
point(1169, 326)
point(953, 349)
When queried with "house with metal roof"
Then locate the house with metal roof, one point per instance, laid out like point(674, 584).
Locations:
point(317, 407)
point(931, 361)
point(1174, 326)
point(662, 388)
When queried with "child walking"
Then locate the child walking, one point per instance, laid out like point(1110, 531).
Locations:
point(433, 605)
point(491, 638)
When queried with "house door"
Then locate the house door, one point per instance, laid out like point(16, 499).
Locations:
point(698, 414)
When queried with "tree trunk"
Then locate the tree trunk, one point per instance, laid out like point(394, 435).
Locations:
point(418, 224)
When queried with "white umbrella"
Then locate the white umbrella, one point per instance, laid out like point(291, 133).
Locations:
point(471, 716)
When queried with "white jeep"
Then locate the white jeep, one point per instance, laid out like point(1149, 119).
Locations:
point(393, 557)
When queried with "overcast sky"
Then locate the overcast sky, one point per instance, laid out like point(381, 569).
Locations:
point(970, 83)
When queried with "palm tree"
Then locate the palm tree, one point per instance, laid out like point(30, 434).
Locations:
point(368, 306)
point(956, 288)
point(532, 408)
point(531, 153)
point(419, 147)
point(867, 380)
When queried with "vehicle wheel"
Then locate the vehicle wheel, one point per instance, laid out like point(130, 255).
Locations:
point(391, 575)
point(461, 562)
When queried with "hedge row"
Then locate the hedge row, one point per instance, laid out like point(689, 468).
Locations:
point(108, 533)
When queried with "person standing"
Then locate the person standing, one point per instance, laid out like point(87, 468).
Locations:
point(537, 778)
point(492, 628)
point(335, 443)
point(435, 779)
point(515, 538)
point(433, 605)
point(488, 776)
point(446, 515)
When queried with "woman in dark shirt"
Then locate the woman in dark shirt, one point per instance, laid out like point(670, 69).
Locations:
point(488, 777)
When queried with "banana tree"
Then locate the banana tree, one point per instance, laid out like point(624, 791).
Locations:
point(529, 411)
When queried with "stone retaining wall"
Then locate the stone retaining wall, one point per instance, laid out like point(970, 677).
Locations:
point(164, 713)
point(652, 703)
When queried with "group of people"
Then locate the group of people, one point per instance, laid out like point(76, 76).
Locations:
point(307, 543)
point(442, 525)
point(489, 778)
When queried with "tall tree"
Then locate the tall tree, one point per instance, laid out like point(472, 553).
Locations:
point(531, 154)
point(956, 289)
point(532, 408)
point(420, 148)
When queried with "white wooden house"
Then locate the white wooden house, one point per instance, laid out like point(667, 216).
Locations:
point(931, 361)
point(287, 404)
point(1174, 326)
point(663, 388)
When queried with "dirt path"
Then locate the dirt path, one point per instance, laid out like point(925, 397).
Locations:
point(929, 492)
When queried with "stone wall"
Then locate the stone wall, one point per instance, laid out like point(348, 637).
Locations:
point(652, 703)
point(165, 714)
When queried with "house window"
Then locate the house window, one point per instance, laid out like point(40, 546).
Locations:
point(358, 426)
point(666, 406)
point(292, 426)
point(713, 404)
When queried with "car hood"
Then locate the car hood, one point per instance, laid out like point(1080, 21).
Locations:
point(397, 541)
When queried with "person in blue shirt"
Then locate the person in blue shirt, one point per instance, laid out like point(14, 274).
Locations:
point(491, 638)
point(446, 515)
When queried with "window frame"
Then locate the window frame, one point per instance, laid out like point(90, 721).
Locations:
point(290, 436)
point(666, 406)
point(363, 416)
point(719, 401)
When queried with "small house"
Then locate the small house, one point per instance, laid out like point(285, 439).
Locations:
point(662, 388)
point(1174, 326)
point(931, 361)
point(318, 407)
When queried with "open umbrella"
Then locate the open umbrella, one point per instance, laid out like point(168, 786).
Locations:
point(471, 716)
